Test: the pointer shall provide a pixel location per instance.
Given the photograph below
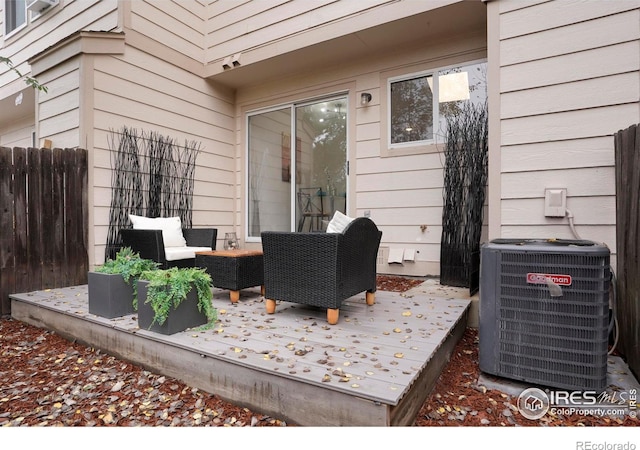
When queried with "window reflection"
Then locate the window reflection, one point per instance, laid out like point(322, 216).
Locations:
point(412, 110)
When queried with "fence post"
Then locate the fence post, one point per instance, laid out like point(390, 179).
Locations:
point(34, 218)
point(21, 247)
point(7, 264)
point(47, 206)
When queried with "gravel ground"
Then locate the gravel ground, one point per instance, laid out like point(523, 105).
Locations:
point(49, 381)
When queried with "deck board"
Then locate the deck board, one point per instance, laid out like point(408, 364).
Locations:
point(376, 354)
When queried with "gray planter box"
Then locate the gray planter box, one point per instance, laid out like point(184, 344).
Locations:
point(186, 315)
point(109, 295)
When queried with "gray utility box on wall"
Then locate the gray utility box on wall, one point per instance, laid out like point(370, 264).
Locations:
point(544, 312)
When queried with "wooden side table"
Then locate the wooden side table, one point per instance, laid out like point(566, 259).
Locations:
point(233, 269)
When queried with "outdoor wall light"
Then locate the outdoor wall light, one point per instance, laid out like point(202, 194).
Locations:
point(365, 98)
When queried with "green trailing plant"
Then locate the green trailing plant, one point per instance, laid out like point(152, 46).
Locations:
point(131, 266)
point(35, 84)
point(168, 288)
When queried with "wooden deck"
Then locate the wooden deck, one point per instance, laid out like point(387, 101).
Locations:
point(374, 368)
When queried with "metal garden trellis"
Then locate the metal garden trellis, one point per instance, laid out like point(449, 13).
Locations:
point(151, 176)
point(464, 194)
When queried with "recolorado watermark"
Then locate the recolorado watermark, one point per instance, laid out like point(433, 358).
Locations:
point(534, 403)
point(591, 445)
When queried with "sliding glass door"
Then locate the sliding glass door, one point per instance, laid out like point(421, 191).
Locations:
point(297, 166)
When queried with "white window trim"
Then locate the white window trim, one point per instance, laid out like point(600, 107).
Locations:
point(14, 31)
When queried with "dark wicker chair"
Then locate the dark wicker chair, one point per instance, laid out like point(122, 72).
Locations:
point(150, 245)
point(321, 269)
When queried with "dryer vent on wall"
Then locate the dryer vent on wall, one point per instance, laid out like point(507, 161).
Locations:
point(544, 312)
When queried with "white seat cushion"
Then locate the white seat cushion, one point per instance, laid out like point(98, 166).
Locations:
point(171, 228)
point(176, 253)
point(338, 222)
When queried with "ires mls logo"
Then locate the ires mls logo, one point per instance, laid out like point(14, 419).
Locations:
point(542, 278)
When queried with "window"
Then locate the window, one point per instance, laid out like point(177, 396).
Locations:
point(15, 15)
point(420, 103)
point(412, 110)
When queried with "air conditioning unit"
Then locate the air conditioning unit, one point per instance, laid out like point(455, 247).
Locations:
point(37, 6)
point(544, 312)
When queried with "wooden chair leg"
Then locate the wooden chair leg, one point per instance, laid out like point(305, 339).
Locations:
point(371, 298)
point(332, 316)
point(262, 290)
point(235, 296)
point(271, 305)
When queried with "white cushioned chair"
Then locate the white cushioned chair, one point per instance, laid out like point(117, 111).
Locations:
point(163, 240)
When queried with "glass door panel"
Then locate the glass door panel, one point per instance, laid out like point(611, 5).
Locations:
point(320, 162)
point(268, 172)
point(315, 144)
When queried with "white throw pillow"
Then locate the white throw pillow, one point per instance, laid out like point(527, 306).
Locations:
point(171, 228)
point(338, 222)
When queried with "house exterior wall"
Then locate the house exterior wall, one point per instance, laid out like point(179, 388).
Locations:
point(18, 133)
point(153, 66)
point(302, 50)
point(102, 74)
point(161, 72)
point(565, 79)
point(174, 29)
point(401, 191)
point(63, 20)
point(265, 29)
point(59, 110)
point(559, 88)
point(164, 98)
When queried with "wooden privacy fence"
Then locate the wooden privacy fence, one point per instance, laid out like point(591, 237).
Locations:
point(43, 220)
point(627, 156)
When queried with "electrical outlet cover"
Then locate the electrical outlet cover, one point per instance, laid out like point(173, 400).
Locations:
point(555, 202)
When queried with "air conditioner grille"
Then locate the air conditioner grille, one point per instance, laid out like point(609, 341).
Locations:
point(546, 353)
point(527, 331)
point(516, 331)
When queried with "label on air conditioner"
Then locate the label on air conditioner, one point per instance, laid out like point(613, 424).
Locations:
point(541, 278)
